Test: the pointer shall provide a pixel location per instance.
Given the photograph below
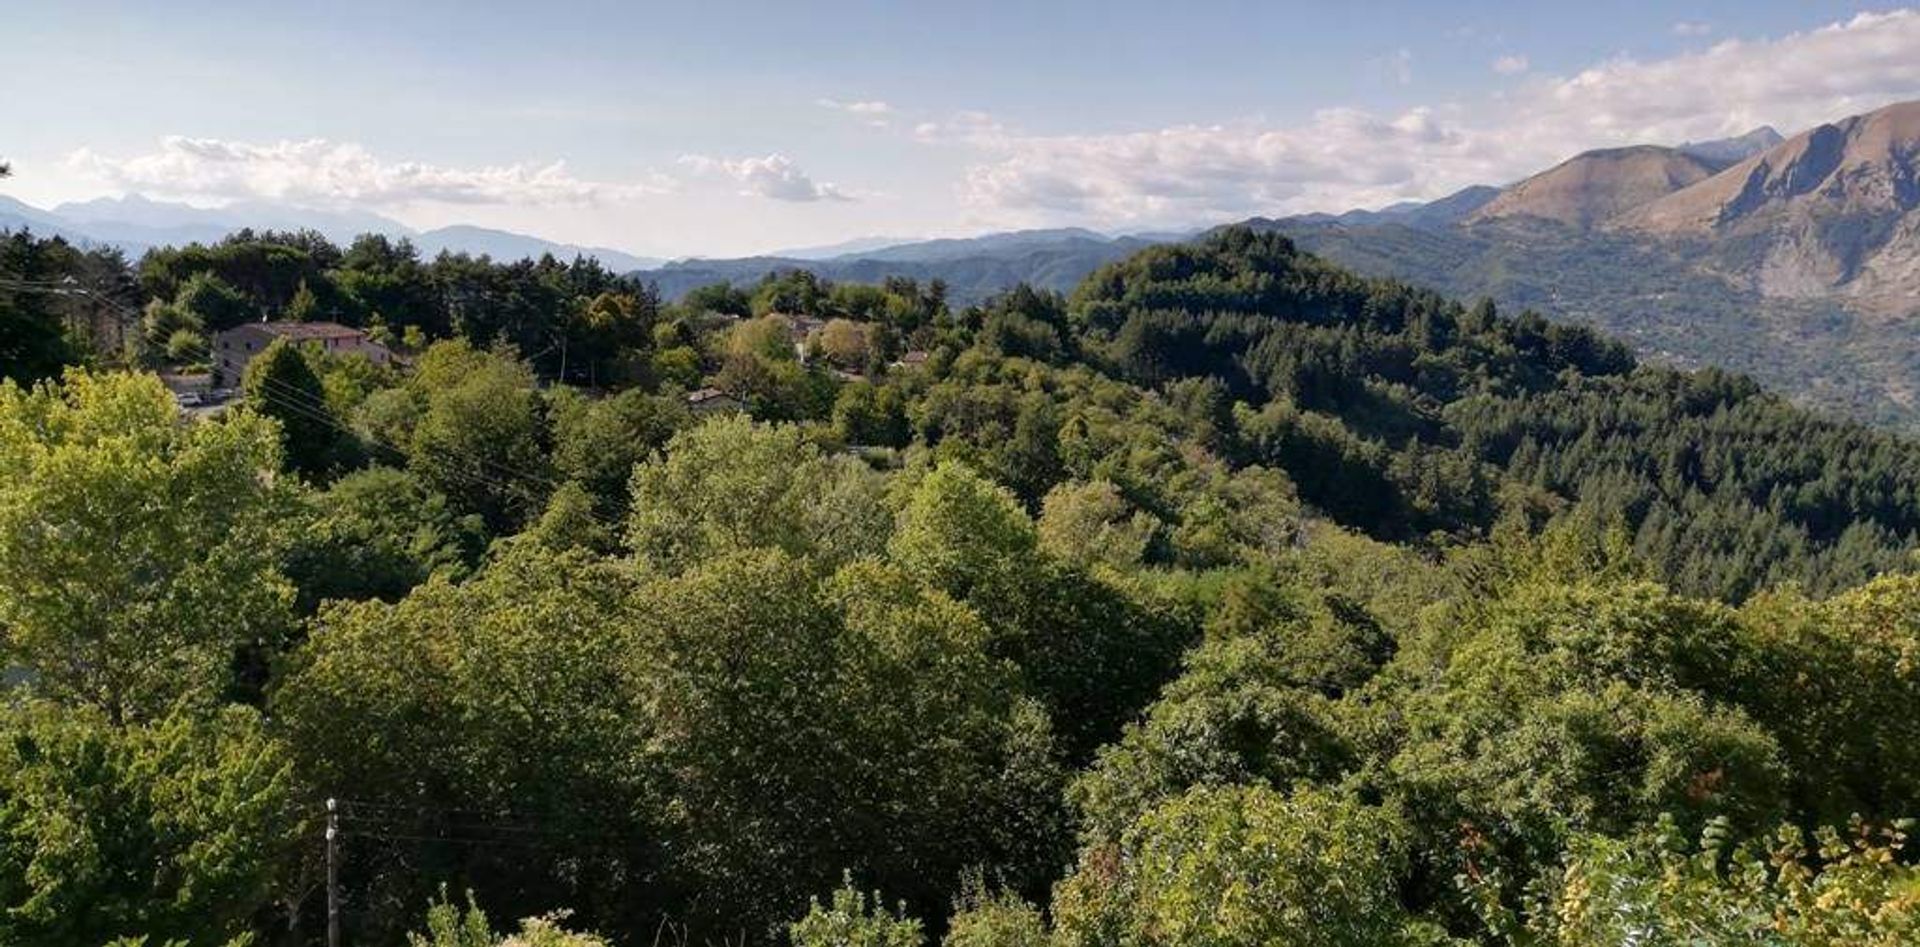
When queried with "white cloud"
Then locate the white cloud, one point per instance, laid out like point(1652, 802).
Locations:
point(1511, 65)
point(874, 113)
point(970, 127)
point(326, 173)
point(1206, 171)
point(1692, 28)
point(773, 176)
point(870, 107)
point(1345, 158)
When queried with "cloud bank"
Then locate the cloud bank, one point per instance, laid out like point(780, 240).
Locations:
point(774, 177)
point(326, 173)
point(1343, 158)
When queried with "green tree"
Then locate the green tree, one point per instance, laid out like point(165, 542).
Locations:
point(501, 701)
point(845, 343)
point(377, 533)
point(186, 827)
point(1086, 523)
point(33, 343)
point(766, 338)
point(993, 918)
point(480, 440)
point(732, 484)
point(849, 921)
point(134, 547)
point(305, 306)
point(961, 533)
point(598, 442)
point(718, 297)
point(185, 347)
point(1242, 866)
point(1852, 888)
point(866, 414)
point(448, 925)
point(280, 384)
point(207, 302)
point(808, 727)
point(571, 523)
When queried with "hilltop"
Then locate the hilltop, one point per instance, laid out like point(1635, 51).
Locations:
point(1595, 186)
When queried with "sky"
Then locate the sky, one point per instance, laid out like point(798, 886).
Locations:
point(724, 128)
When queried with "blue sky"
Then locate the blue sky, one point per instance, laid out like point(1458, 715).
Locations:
point(726, 128)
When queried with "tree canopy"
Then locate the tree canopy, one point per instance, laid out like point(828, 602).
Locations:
point(1230, 599)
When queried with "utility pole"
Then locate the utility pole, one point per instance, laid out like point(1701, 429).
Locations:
point(333, 873)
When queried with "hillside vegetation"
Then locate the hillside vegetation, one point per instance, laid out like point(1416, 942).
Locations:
point(1791, 260)
point(1231, 599)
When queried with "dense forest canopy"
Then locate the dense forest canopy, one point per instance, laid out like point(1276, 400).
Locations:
point(1231, 599)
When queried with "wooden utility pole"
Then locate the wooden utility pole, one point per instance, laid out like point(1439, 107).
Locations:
point(333, 873)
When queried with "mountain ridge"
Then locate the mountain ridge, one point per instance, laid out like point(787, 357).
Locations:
point(1797, 264)
point(135, 223)
point(1593, 186)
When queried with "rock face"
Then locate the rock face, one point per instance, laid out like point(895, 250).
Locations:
point(1590, 188)
point(1831, 210)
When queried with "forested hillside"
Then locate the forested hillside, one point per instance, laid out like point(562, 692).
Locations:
point(1790, 260)
point(1231, 599)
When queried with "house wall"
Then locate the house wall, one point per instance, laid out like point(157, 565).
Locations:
point(236, 348)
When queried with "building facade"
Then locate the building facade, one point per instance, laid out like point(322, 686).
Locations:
point(236, 348)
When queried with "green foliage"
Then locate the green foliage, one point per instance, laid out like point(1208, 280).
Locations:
point(961, 533)
point(1089, 523)
point(185, 346)
point(1397, 411)
point(861, 722)
point(732, 484)
point(480, 438)
point(796, 292)
point(869, 415)
point(597, 442)
point(498, 700)
point(1283, 606)
point(208, 302)
point(304, 306)
point(849, 922)
point(134, 547)
point(448, 925)
point(993, 918)
point(33, 340)
point(1241, 866)
point(377, 533)
point(717, 297)
point(570, 522)
point(1856, 889)
point(281, 385)
point(179, 828)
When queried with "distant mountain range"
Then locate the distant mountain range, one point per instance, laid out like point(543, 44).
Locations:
point(1796, 260)
point(135, 223)
point(972, 267)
